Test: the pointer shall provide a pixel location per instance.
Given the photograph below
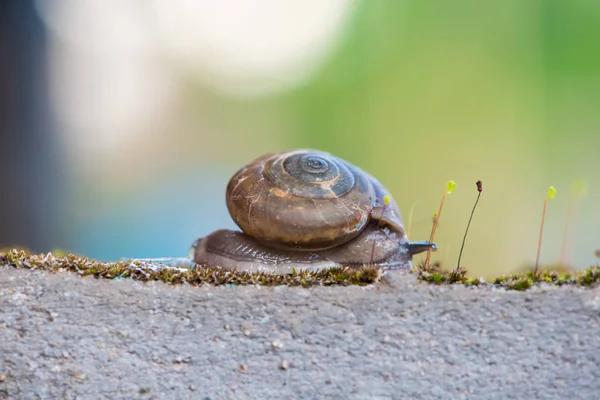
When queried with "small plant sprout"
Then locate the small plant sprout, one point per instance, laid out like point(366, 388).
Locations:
point(551, 194)
point(479, 190)
point(450, 186)
point(410, 217)
point(386, 201)
point(578, 189)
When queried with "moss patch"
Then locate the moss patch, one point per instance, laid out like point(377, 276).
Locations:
point(433, 273)
point(144, 271)
point(519, 281)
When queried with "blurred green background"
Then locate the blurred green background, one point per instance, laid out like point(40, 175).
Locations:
point(153, 106)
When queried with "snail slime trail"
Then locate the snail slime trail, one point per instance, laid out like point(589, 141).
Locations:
point(307, 209)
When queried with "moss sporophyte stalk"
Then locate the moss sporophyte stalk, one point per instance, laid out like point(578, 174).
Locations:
point(202, 275)
point(450, 186)
point(549, 196)
point(479, 190)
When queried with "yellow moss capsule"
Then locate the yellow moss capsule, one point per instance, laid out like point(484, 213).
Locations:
point(451, 186)
point(551, 192)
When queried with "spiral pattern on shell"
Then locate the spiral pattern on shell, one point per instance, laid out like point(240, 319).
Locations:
point(303, 199)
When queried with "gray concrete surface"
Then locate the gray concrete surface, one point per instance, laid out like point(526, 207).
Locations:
point(67, 337)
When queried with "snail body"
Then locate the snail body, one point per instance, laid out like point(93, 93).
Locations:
point(307, 209)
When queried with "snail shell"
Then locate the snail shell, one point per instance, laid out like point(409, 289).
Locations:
point(307, 209)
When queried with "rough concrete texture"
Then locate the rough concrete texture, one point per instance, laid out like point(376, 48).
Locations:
point(67, 337)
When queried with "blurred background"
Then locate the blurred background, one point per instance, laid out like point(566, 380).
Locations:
point(122, 121)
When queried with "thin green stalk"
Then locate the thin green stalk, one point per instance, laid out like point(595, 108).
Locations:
point(550, 196)
point(537, 259)
point(451, 185)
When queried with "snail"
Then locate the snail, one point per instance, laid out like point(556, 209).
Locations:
point(307, 209)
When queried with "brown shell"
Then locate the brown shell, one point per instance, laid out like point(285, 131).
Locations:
point(307, 199)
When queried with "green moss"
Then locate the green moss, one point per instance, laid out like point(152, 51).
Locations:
point(472, 281)
point(433, 273)
point(365, 275)
point(589, 277)
point(519, 284)
point(199, 276)
point(519, 281)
